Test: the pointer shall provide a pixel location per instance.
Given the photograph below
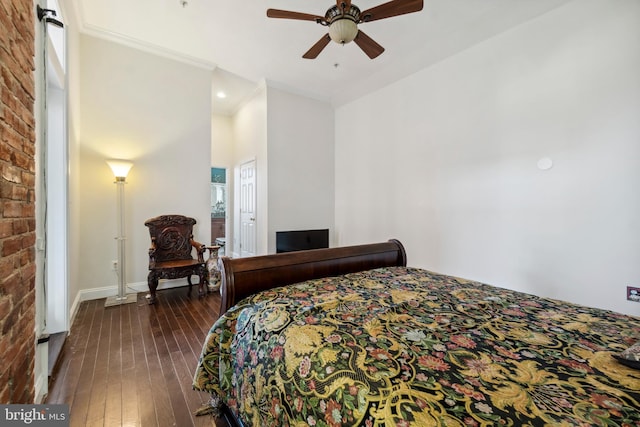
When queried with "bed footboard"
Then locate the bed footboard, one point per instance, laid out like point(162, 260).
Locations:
point(242, 277)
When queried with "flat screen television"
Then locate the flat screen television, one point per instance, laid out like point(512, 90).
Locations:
point(301, 240)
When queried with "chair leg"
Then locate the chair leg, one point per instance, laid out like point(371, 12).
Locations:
point(152, 280)
point(190, 285)
point(203, 286)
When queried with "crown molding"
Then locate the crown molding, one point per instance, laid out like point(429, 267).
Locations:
point(98, 32)
point(147, 47)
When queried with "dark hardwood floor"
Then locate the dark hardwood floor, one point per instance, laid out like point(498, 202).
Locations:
point(132, 365)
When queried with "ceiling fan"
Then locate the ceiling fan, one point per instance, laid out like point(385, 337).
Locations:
point(343, 19)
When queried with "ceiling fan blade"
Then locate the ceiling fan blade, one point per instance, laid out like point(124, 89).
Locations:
point(317, 48)
point(287, 14)
point(392, 8)
point(368, 45)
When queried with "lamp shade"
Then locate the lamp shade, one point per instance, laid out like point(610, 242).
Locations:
point(120, 168)
point(343, 30)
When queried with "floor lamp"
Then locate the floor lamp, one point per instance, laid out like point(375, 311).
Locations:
point(120, 170)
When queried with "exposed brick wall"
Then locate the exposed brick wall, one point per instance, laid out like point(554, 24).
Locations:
point(17, 204)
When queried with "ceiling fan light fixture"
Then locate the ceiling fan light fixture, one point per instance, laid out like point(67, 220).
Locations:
point(343, 19)
point(343, 30)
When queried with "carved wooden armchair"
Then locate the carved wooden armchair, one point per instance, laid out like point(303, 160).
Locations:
point(170, 252)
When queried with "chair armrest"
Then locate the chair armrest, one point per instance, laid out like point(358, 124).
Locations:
point(200, 249)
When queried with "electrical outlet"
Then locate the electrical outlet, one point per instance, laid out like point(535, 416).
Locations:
point(114, 265)
point(633, 293)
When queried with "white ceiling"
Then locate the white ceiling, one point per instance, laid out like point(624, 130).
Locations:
point(245, 47)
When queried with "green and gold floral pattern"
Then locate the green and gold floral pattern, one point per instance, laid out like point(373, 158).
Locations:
point(407, 347)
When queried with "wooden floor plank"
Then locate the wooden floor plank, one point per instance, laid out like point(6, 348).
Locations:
point(113, 392)
point(74, 353)
point(199, 321)
point(79, 407)
point(161, 398)
point(144, 393)
point(165, 344)
point(133, 365)
point(100, 380)
point(68, 367)
point(128, 396)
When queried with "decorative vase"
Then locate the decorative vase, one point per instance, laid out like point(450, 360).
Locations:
point(214, 270)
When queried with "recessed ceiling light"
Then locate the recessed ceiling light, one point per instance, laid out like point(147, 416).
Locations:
point(221, 95)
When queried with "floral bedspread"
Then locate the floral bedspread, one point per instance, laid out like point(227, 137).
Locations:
point(408, 347)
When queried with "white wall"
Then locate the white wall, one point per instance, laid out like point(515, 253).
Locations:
point(291, 139)
point(301, 164)
point(250, 138)
point(73, 131)
point(445, 160)
point(222, 141)
point(157, 113)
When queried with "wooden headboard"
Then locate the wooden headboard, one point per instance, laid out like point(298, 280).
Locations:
point(242, 277)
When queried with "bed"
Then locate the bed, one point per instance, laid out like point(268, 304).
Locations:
point(352, 336)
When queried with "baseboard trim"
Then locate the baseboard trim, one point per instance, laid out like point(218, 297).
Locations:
point(108, 291)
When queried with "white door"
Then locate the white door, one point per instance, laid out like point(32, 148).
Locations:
point(248, 234)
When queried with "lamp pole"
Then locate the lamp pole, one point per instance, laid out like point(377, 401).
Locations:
point(122, 268)
point(120, 169)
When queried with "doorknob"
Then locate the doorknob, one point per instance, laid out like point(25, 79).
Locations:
point(252, 219)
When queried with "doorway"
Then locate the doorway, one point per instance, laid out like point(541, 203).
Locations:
point(219, 209)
